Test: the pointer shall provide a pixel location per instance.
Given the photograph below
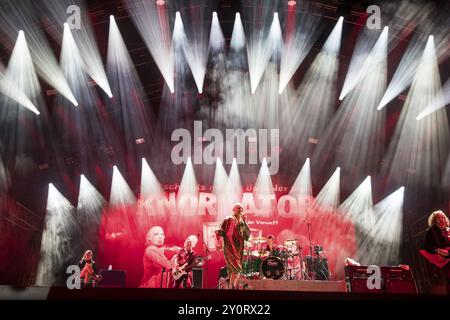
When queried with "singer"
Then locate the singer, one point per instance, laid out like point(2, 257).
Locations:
point(231, 234)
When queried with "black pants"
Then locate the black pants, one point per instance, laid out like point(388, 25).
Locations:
point(185, 280)
point(446, 271)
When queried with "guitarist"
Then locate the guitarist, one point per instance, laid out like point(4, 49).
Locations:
point(184, 261)
point(437, 240)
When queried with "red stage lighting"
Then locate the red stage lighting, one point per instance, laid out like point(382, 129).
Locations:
point(292, 3)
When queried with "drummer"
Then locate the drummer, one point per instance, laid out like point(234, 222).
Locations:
point(270, 247)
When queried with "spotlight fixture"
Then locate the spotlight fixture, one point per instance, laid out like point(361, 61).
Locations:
point(292, 3)
point(160, 2)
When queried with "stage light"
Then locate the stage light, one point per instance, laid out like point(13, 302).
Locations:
point(194, 48)
point(20, 14)
point(188, 193)
point(302, 185)
point(153, 24)
point(160, 2)
point(20, 82)
point(314, 112)
point(292, 3)
point(264, 191)
point(362, 60)
point(150, 186)
point(121, 194)
point(233, 187)
point(90, 204)
point(328, 197)
point(381, 243)
point(405, 71)
point(260, 49)
point(419, 149)
point(300, 35)
point(72, 64)
point(216, 38)
point(440, 100)
point(219, 189)
point(356, 127)
point(358, 206)
point(58, 232)
point(238, 35)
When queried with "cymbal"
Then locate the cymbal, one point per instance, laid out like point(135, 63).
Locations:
point(290, 242)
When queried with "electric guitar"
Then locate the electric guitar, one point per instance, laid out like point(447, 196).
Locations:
point(436, 259)
point(178, 272)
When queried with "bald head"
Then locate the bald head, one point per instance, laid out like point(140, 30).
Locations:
point(155, 236)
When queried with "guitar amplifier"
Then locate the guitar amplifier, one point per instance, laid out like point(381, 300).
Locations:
point(356, 279)
point(197, 278)
point(393, 280)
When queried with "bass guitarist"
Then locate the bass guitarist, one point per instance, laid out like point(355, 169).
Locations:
point(437, 243)
point(184, 261)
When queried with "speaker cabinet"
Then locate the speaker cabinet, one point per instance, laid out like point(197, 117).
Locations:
point(197, 278)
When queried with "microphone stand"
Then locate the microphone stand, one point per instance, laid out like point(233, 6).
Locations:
point(309, 226)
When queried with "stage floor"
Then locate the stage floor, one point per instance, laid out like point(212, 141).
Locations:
point(61, 293)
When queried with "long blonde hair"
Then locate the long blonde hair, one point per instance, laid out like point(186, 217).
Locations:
point(433, 216)
point(84, 255)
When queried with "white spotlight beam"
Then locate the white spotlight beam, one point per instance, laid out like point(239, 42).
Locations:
point(238, 36)
point(71, 61)
point(361, 61)
point(216, 38)
point(195, 49)
point(20, 14)
point(440, 100)
point(83, 36)
point(90, 203)
point(298, 44)
point(188, 192)
point(20, 81)
point(150, 185)
point(260, 49)
point(121, 193)
point(404, 74)
point(59, 224)
point(188, 184)
point(302, 185)
point(9, 86)
point(314, 112)
point(358, 206)
point(234, 185)
point(328, 197)
point(381, 244)
point(418, 149)
point(264, 192)
point(357, 126)
point(219, 189)
point(152, 21)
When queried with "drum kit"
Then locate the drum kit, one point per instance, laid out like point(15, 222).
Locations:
point(283, 262)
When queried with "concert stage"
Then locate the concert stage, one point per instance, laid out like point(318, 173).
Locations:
point(293, 285)
point(61, 293)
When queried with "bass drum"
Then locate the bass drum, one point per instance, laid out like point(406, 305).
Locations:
point(273, 268)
